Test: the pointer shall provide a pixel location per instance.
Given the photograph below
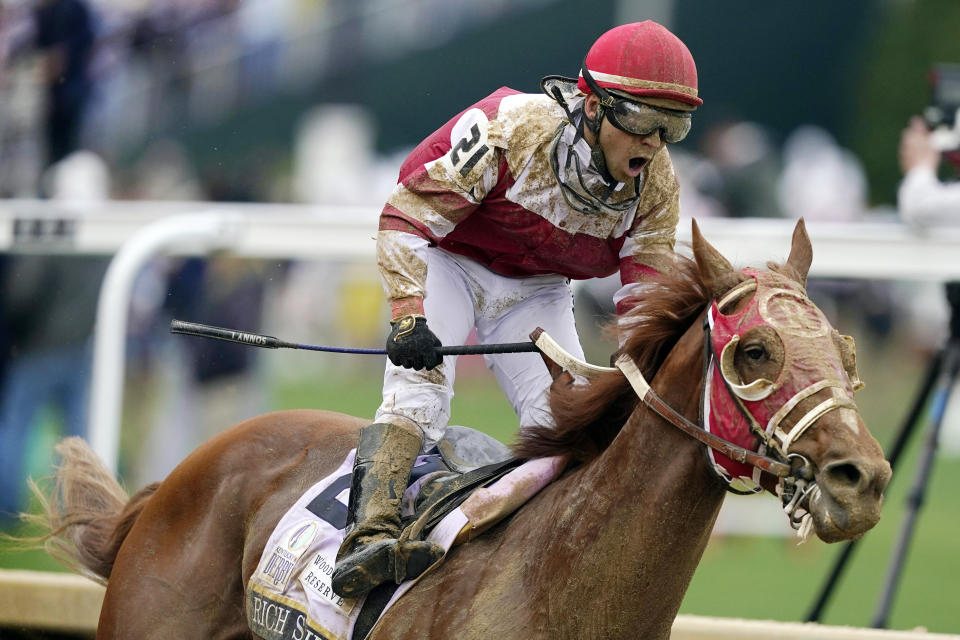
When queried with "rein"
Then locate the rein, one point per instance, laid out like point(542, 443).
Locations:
point(735, 452)
point(795, 484)
point(625, 365)
point(779, 466)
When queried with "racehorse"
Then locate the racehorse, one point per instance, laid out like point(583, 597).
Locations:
point(605, 551)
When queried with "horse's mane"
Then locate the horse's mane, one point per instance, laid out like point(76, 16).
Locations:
point(588, 417)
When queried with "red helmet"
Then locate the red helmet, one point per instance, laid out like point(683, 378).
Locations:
point(643, 59)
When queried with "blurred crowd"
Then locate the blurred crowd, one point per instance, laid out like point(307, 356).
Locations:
point(103, 74)
point(136, 67)
point(81, 79)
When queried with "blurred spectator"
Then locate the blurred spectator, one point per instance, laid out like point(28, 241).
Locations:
point(114, 74)
point(49, 305)
point(196, 387)
point(922, 198)
point(20, 119)
point(748, 164)
point(65, 36)
point(820, 179)
point(199, 387)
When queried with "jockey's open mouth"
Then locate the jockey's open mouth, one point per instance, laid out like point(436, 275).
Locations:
point(637, 164)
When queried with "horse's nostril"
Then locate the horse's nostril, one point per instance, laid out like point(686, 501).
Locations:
point(844, 475)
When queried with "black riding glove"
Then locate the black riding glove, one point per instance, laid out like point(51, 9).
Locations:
point(412, 345)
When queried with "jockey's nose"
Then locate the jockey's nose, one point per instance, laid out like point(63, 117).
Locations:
point(653, 139)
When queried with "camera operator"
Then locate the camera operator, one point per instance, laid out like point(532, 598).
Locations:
point(923, 199)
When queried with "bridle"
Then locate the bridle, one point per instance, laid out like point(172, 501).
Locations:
point(794, 472)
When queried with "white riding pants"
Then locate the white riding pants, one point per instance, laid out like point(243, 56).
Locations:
point(460, 295)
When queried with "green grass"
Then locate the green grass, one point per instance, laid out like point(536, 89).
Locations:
point(766, 578)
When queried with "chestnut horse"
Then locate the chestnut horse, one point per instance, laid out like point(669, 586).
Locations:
point(605, 551)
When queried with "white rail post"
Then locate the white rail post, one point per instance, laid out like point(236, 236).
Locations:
point(201, 233)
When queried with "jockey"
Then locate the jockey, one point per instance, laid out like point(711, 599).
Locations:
point(493, 214)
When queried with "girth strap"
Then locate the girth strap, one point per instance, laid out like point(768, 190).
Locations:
point(628, 368)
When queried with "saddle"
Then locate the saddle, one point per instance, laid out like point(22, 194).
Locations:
point(466, 460)
point(459, 489)
point(441, 479)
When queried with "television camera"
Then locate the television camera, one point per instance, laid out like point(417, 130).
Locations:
point(943, 113)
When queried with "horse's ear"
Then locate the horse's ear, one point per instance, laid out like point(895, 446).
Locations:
point(801, 253)
point(715, 270)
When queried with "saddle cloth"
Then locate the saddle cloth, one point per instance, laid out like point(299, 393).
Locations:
point(289, 596)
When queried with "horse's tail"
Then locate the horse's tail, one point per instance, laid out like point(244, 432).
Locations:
point(85, 512)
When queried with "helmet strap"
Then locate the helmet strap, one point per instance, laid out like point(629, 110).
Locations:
point(597, 158)
point(599, 162)
point(575, 116)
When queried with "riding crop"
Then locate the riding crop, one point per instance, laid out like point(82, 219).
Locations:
point(269, 342)
point(543, 344)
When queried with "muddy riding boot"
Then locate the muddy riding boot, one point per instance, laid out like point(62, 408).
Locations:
point(370, 553)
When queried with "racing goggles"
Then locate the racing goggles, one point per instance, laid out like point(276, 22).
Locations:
point(638, 118)
point(642, 120)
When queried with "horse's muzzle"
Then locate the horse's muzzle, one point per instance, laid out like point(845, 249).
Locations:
point(850, 497)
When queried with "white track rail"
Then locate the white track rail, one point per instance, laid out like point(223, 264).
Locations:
point(883, 249)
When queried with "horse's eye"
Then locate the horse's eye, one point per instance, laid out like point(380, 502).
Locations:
point(755, 352)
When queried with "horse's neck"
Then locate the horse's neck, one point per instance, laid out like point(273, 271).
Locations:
point(643, 514)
